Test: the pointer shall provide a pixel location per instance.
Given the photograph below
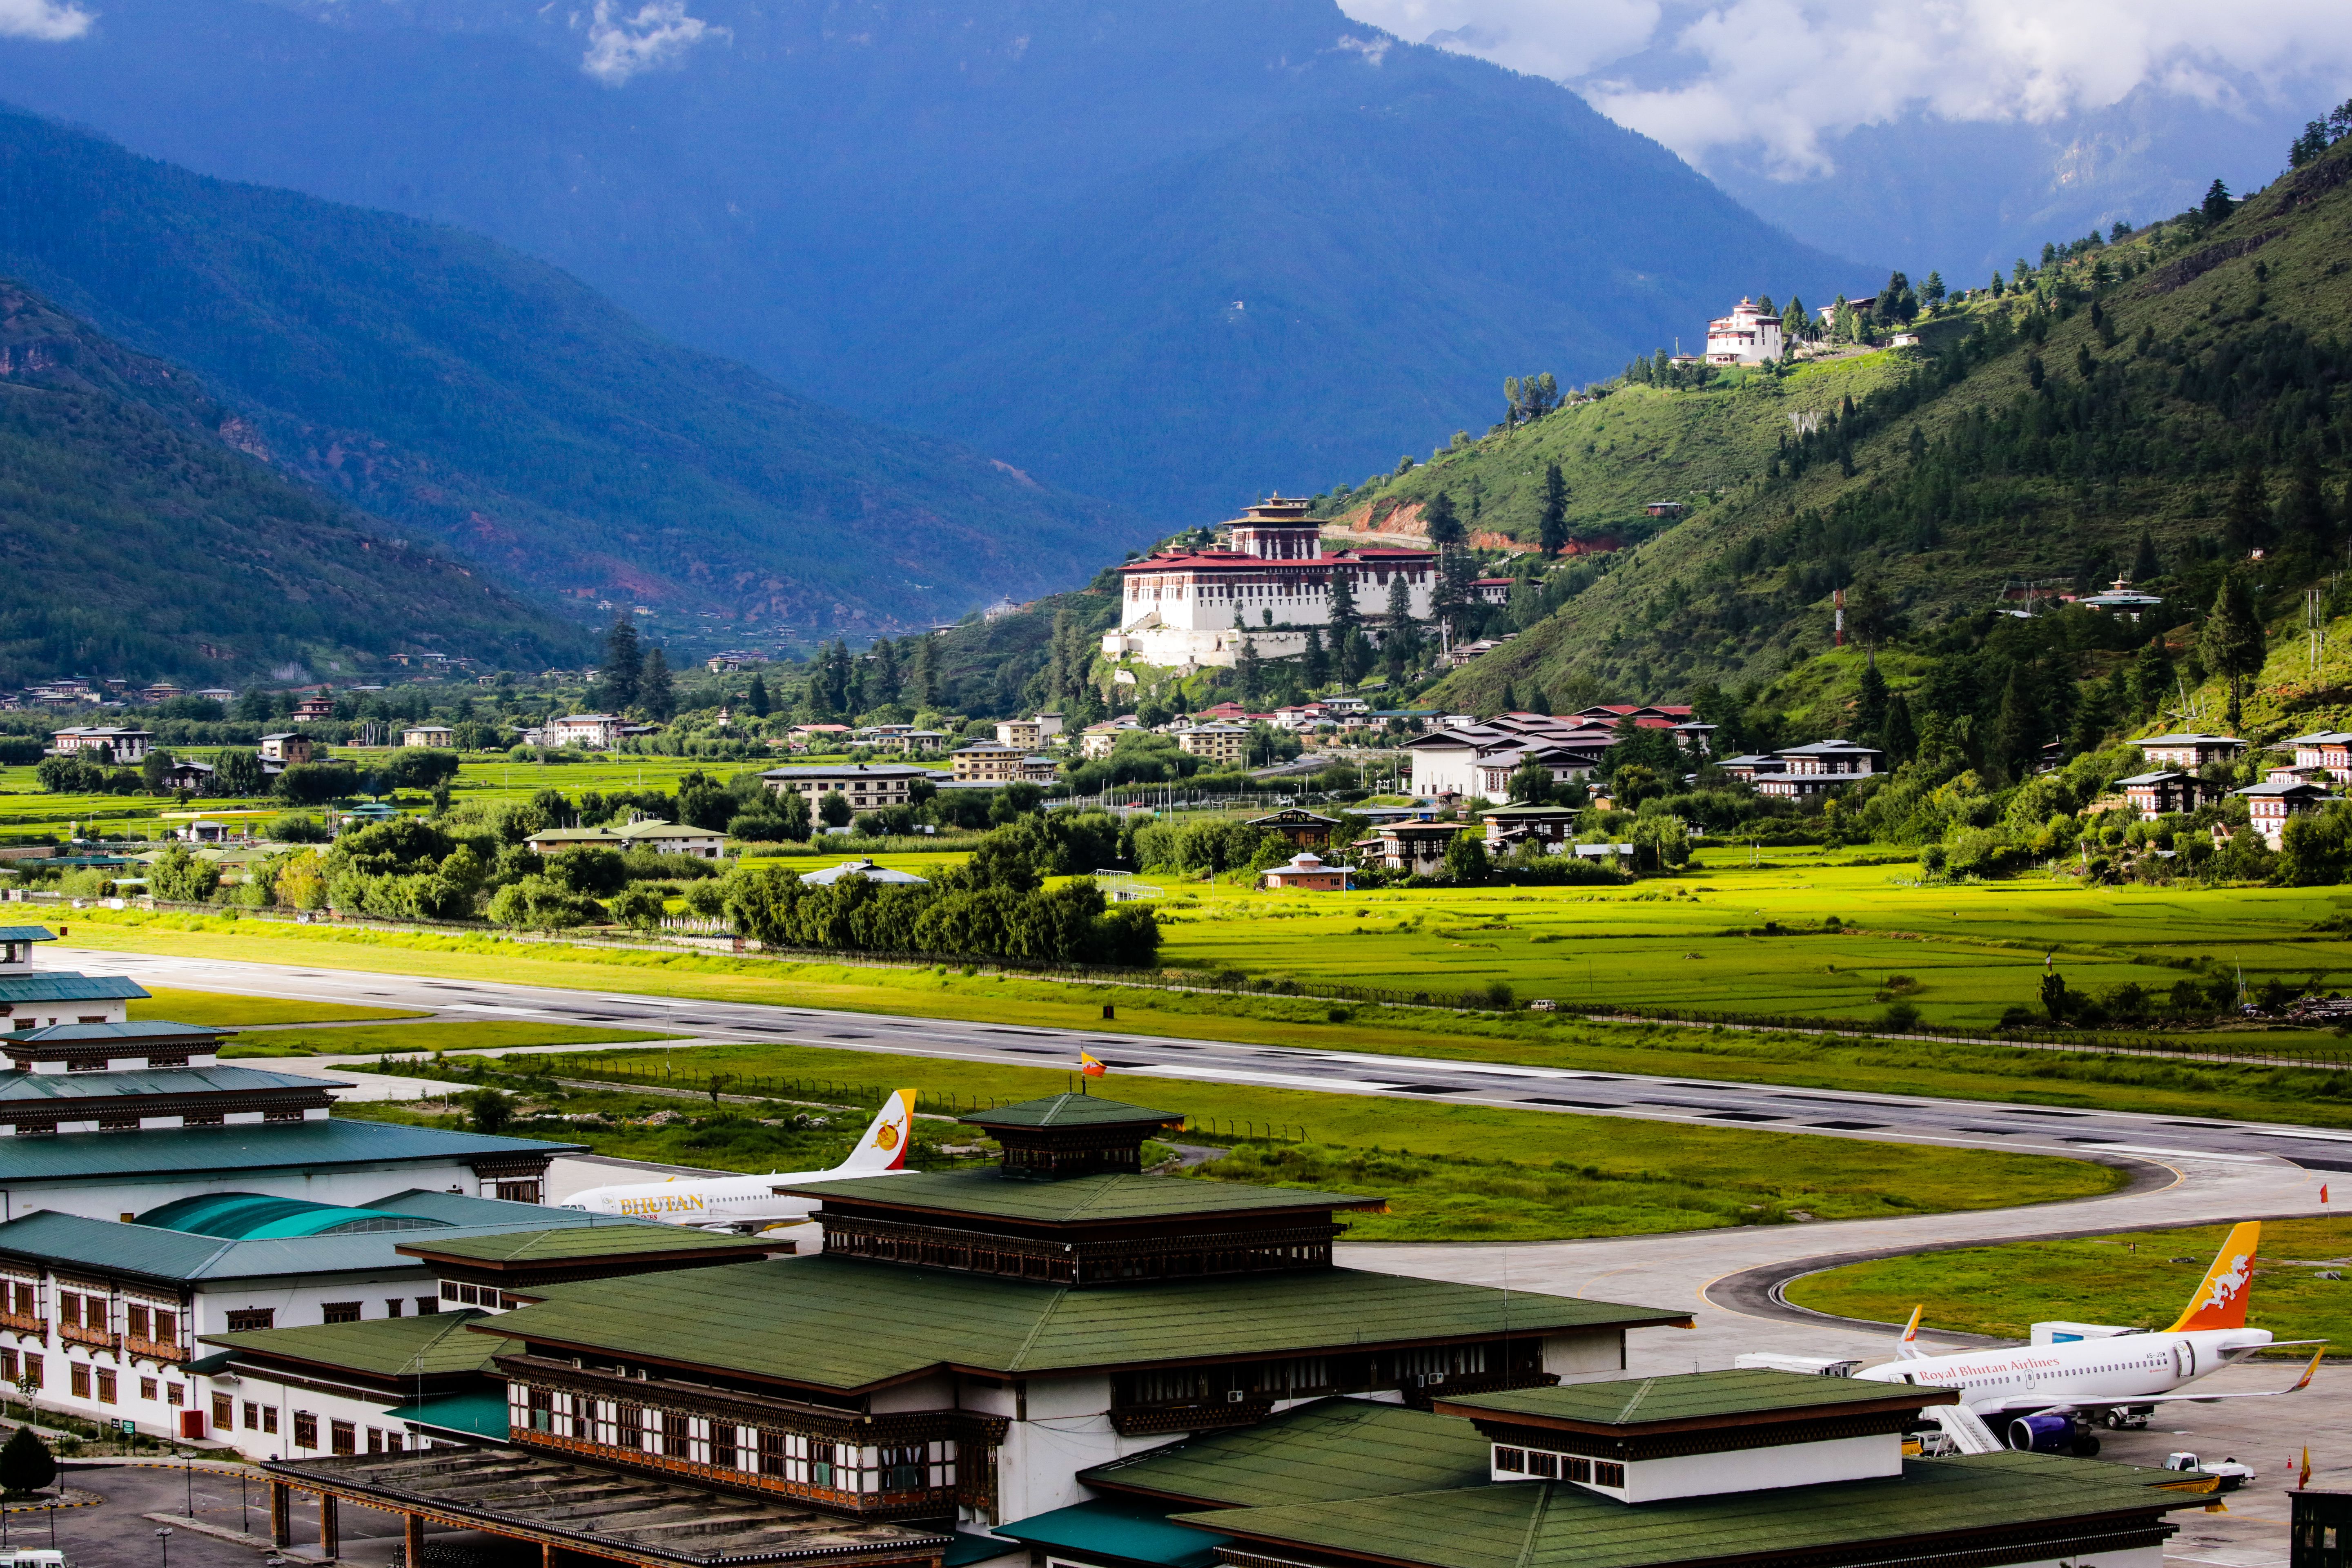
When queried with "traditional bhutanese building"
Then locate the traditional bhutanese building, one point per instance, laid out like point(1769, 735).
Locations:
point(1194, 607)
point(967, 1343)
point(1747, 336)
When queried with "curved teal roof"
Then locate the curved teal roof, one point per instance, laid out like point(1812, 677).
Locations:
point(255, 1217)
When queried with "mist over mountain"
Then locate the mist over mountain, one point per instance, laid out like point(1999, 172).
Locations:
point(1172, 253)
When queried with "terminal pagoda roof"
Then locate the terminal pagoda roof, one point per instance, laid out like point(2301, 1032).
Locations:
point(1317, 1452)
point(1691, 1402)
point(1934, 1508)
point(1088, 1201)
point(849, 1326)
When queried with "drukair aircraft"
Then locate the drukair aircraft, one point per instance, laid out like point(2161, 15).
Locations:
point(754, 1202)
point(2054, 1393)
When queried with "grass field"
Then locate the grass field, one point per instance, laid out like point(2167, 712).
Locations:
point(465, 1035)
point(229, 1011)
point(2138, 1278)
point(1973, 951)
point(1451, 1172)
point(1908, 1067)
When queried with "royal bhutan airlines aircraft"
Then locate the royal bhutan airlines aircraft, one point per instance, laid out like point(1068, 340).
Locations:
point(755, 1203)
point(2053, 1392)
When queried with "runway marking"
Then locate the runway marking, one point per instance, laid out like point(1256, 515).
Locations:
point(1239, 1075)
point(2183, 1153)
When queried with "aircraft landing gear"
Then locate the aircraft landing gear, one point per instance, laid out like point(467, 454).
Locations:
point(2087, 1444)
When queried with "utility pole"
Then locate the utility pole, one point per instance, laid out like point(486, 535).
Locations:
point(2315, 618)
point(1837, 598)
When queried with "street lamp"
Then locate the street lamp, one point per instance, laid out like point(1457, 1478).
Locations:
point(163, 1545)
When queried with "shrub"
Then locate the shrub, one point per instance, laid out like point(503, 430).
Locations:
point(540, 903)
point(638, 907)
point(296, 827)
point(25, 1463)
point(1900, 1016)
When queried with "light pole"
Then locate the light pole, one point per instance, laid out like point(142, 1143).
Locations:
point(163, 1546)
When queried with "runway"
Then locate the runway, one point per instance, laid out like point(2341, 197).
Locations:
point(1885, 1118)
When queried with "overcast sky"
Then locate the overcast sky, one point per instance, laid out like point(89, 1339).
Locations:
point(1781, 80)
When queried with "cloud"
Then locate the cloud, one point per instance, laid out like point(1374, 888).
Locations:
point(1788, 77)
point(44, 21)
point(621, 44)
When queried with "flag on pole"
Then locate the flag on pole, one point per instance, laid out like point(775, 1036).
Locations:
point(1088, 1065)
point(2304, 1480)
point(2322, 1191)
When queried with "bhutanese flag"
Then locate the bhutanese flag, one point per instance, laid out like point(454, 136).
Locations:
point(2304, 1480)
point(1088, 1065)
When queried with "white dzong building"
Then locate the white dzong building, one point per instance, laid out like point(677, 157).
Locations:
point(1193, 608)
point(1749, 335)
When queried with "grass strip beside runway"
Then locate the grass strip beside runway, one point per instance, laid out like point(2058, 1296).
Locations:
point(2140, 1278)
point(1451, 1172)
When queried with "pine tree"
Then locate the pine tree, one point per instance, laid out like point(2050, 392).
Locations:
point(1896, 738)
point(1538, 703)
point(756, 699)
point(1551, 526)
point(1314, 663)
point(1870, 706)
point(657, 693)
point(1249, 674)
point(2151, 678)
point(2303, 511)
point(2246, 526)
point(2231, 640)
point(1438, 517)
point(925, 675)
point(2217, 205)
point(623, 664)
point(2145, 565)
point(1344, 615)
point(1511, 701)
point(2017, 732)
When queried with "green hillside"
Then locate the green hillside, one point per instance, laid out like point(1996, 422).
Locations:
point(133, 540)
point(1617, 453)
point(2182, 385)
point(473, 395)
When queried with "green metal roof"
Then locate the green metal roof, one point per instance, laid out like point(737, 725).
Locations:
point(245, 1148)
point(1529, 811)
point(29, 1087)
point(1072, 1111)
point(1329, 1449)
point(1077, 1198)
point(1543, 1524)
point(26, 934)
point(587, 1241)
point(437, 1342)
point(844, 1323)
point(249, 1216)
point(1686, 1399)
point(68, 988)
point(138, 1029)
point(480, 1414)
point(1120, 1531)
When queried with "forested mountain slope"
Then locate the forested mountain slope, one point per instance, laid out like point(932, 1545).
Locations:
point(133, 540)
point(465, 392)
point(1176, 254)
point(2186, 385)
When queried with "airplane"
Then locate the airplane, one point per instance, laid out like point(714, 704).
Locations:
point(2054, 1393)
point(751, 1203)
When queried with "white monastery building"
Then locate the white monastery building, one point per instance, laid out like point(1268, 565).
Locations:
point(1747, 336)
point(1193, 608)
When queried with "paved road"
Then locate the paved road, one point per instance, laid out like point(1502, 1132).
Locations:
point(1847, 1114)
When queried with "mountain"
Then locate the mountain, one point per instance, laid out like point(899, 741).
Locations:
point(1171, 254)
point(136, 540)
point(464, 392)
point(2181, 388)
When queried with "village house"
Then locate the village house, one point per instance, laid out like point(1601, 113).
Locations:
point(317, 706)
point(1097, 741)
point(594, 731)
point(1028, 734)
point(986, 761)
point(103, 743)
point(1816, 769)
point(864, 785)
point(1040, 770)
point(2328, 749)
point(194, 777)
point(1306, 872)
point(1550, 828)
point(804, 736)
point(1415, 847)
point(1490, 590)
point(1226, 744)
point(1301, 829)
point(1476, 761)
point(2190, 752)
point(284, 749)
point(1194, 608)
point(439, 737)
point(2154, 795)
point(2268, 805)
point(1747, 336)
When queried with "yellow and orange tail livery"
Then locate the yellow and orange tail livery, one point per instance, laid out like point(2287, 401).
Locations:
point(2221, 1299)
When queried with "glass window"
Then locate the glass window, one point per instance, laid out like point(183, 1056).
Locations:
point(722, 1444)
point(678, 1435)
point(629, 1426)
point(772, 1453)
point(269, 1423)
point(306, 1429)
point(135, 1319)
point(32, 1377)
point(346, 1437)
point(106, 1395)
point(167, 1327)
point(1544, 1465)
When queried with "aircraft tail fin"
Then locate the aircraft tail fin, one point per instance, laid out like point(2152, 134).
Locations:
point(2220, 1299)
point(1908, 1347)
point(883, 1147)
